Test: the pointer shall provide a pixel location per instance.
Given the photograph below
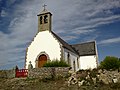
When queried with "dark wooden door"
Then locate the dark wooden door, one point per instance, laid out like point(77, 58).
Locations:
point(42, 60)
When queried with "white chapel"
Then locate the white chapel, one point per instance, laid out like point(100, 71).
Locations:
point(46, 46)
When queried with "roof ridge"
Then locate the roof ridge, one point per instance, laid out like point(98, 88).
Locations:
point(64, 43)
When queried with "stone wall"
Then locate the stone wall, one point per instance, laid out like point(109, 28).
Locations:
point(98, 76)
point(45, 72)
point(109, 76)
point(105, 76)
point(48, 72)
point(7, 73)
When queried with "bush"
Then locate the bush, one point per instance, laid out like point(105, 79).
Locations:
point(119, 62)
point(110, 63)
point(56, 63)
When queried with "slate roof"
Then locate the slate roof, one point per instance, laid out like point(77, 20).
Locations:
point(82, 49)
point(65, 44)
point(85, 49)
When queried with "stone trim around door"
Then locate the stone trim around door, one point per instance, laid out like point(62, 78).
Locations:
point(41, 53)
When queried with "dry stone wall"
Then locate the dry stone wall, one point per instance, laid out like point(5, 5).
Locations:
point(90, 77)
point(105, 76)
point(48, 72)
point(109, 76)
point(7, 73)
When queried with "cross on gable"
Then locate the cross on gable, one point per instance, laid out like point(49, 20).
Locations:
point(44, 7)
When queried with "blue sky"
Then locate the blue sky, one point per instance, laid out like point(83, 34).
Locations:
point(75, 21)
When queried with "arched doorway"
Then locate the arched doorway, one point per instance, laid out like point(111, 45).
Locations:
point(42, 60)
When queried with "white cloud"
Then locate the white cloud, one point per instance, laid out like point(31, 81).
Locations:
point(13, 22)
point(67, 38)
point(96, 22)
point(80, 31)
point(10, 2)
point(85, 15)
point(109, 41)
point(3, 13)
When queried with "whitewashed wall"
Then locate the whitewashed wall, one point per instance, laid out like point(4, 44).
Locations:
point(73, 57)
point(88, 62)
point(44, 41)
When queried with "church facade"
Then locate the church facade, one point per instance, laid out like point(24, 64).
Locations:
point(47, 46)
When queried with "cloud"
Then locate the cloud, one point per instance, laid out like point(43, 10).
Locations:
point(3, 13)
point(67, 38)
point(109, 41)
point(81, 30)
point(10, 2)
point(84, 16)
point(96, 22)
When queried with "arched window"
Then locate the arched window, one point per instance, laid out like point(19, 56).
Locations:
point(45, 19)
point(41, 20)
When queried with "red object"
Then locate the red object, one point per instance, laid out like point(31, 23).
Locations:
point(22, 73)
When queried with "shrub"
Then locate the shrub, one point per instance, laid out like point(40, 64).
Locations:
point(119, 62)
point(56, 63)
point(110, 63)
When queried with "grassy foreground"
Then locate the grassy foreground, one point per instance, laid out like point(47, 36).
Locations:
point(36, 84)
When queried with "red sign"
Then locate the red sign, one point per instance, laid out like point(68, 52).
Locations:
point(22, 73)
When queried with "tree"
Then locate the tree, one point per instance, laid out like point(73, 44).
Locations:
point(110, 62)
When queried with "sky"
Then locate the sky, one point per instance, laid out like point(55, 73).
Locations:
point(75, 21)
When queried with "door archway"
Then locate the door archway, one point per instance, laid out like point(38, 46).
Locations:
point(42, 59)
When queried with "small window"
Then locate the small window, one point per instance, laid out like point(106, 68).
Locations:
point(45, 19)
point(41, 20)
point(68, 58)
point(77, 62)
point(74, 66)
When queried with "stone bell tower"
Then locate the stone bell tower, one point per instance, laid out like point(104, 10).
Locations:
point(44, 20)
